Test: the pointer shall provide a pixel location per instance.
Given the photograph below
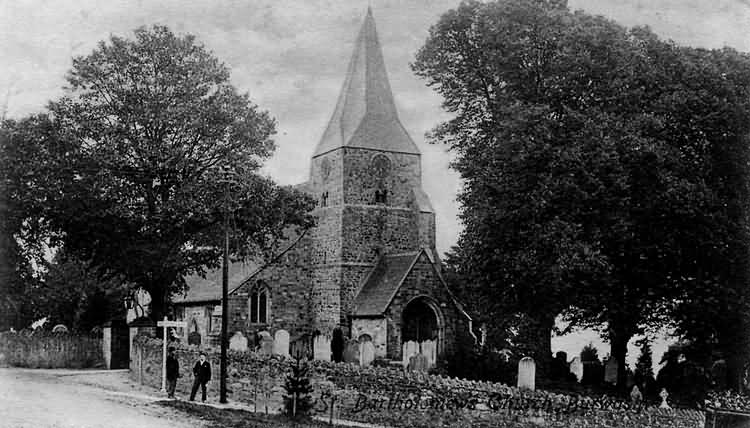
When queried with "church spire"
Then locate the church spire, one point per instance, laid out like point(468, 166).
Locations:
point(365, 114)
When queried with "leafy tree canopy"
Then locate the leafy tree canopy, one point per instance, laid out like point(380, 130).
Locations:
point(134, 168)
point(604, 169)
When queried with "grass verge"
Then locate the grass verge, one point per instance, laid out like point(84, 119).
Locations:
point(234, 418)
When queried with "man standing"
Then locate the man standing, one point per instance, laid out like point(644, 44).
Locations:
point(173, 372)
point(202, 373)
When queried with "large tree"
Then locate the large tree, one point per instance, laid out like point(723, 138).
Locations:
point(597, 163)
point(148, 151)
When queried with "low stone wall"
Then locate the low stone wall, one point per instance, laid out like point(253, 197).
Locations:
point(392, 397)
point(50, 350)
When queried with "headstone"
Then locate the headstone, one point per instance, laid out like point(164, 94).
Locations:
point(194, 338)
point(351, 352)
point(322, 348)
point(60, 328)
point(664, 394)
point(429, 350)
point(266, 344)
point(610, 371)
point(418, 363)
point(576, 367)
point(281, 343)
point(635, 396)
point(409, 349)
point(527, 373)
point(238, 342)
point(366, 352)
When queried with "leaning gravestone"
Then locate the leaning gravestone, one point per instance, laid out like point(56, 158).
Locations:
point(351, 352)
point(429, 350)
point(322, 348)
point(238, 342)
point(527, 373)
point(266, 343)
point(281, 343)
point(409, 349)
point(366, 353)
point(576, 367)
point(610, 371)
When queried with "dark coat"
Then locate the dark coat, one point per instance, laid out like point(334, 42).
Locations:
point(173, 367)
point(202, 371)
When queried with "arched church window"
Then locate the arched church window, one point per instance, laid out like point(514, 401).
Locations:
point(259, 305)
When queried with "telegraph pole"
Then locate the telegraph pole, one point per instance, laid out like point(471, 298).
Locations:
point(224, 304)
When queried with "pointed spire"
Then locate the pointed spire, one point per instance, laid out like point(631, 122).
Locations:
point(365, 114)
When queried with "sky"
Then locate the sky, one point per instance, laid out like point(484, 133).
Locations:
point(291, 56)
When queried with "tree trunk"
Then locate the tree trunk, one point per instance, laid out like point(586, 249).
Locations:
point(540, 344)
point(618, 340)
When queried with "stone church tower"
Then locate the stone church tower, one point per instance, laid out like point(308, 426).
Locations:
point(368, 270)
point(366, 173)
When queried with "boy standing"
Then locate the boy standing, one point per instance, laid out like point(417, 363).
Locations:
point(202, 373)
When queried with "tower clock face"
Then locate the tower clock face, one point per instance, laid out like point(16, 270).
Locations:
point(325, 169)
point(380, 166)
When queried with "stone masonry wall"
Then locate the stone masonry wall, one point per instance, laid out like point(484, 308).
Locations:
point(288, 281)
point(360, 180)
point(423, 281)
point(392, 397)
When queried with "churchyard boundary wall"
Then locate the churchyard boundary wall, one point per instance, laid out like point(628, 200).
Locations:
point(50, 350)
point(393, 397)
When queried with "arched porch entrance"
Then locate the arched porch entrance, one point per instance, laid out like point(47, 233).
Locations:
point(422, 330)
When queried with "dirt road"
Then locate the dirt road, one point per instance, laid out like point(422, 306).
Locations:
point(63, 399)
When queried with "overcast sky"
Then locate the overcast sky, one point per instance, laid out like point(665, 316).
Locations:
point(291, 57)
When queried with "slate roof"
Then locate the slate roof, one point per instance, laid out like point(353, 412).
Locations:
point(365, 114)
point(383, 283)
point(208, 289)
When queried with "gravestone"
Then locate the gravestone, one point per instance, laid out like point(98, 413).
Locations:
point(194, 338)
point(351, 352)
point(635, 396)
point(238, 342)
point(418, 363)
point(429, 350)
point(409, 349)
point(527, 373)
point(266, 343)
point(60, 328)
point(281, 343)
point(366, 352)
point(610, 371)
point(576, 367)
point(322, 348)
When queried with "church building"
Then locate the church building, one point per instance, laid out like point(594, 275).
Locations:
point(368, 271)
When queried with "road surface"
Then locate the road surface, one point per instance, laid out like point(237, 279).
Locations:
point(78, 399)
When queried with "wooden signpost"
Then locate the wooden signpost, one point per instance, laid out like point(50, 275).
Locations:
point(165, 325)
